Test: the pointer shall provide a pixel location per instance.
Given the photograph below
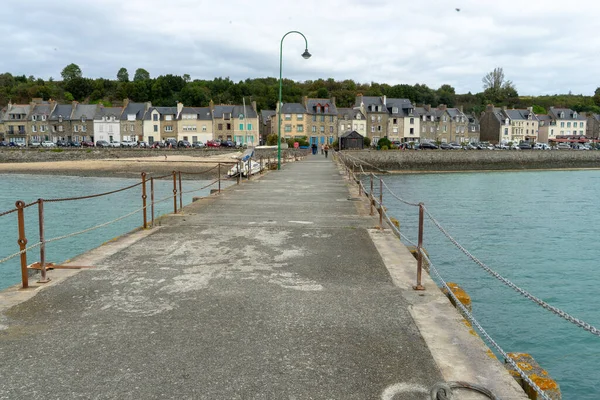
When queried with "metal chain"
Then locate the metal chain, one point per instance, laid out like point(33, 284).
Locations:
point(397, 197)
point(200, 173)
point(475, 323)
point(524, 293)
point(20, 252)
point(2, 214)
point(397, 231)
point(91, 196)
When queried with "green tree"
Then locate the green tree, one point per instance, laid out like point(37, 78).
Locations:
point(539, 110)
point(596, 97)
point(71, 72)
point(141, 75)
point(384, 141)
point(272, 139)
point(123, 75)
point(322, 93)
point(367, 141)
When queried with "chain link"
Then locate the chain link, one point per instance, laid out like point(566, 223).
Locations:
point(91, 196)
point(475, 323)
point(20, 252)
point(397, 197)
point(203, 187)
point(2, 214)
point(524, 293)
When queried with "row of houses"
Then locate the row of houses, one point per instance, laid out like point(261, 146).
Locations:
point(319, 119)
point(47, 120)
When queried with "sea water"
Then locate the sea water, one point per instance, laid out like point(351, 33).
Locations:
point(67, 217)
point(539, 229)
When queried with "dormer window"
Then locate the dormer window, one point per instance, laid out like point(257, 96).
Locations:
point(575, 115)
point(562, 115)
point(60, 118)
point(43, 117)
point(318, 108)
point(357, 116)
point(241, 116)
point(326, 108)
point(83, 119)
point(394, 110)
point(507, 121)
point(34, 117)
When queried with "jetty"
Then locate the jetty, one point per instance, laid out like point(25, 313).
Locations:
point(281, 287)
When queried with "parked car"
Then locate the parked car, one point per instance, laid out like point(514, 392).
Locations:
point(3, 143)
point(71, 143)
point(157, 145)
point(525, 146)
point(455, 146)
point(502, 146)
point(48, 143)
point(227, 143)
point(87, 143)
point(213, 143)
point(114, 144)
point(102, 143)
point(127, 143)
point(471, 146)
point(16, 144)
point(198, 145)
point(171, 142)
point(34, 143)
point(563, 146)
point(142, 144)
point(445, 146)
point(427, 146)
point(184, 144)
point(541, 146)
point(61, 143)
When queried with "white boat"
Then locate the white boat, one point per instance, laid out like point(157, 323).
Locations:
point(255, 168)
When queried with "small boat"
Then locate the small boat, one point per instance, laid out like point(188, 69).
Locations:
point(255, 167)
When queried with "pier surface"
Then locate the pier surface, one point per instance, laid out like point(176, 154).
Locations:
point(278, 288)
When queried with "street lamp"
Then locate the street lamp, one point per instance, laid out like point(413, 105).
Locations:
point(306, 56)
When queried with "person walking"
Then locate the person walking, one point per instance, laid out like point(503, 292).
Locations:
point(326, 149)
point(322, 151)
point(314, 148)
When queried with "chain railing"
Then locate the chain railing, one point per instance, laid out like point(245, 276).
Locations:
point(353, 166)
point(178, 189)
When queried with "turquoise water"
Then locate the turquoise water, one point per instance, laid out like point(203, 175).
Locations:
point(539, 229)
point(62, 218)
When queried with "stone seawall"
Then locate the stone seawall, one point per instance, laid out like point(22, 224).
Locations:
point(474, 160)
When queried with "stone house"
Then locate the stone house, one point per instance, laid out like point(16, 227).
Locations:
point(524, 125)
point(222, 121)
point(15, 122)
point(322, 124)
point(107, 125)
point(60, 122)
point(245, 124)
point(543, 124)
point(294, 121)
point(442, 124)
point(82, 121)
point(566, 122)
point(593, 125)
point(39, 121)
point(351, 119)
point(428, 122)
point(403, 123)
point(494, 125)
point(375, 109)
point(194, 124)
point(266, 124)
point(2, 134)
point(472, 134)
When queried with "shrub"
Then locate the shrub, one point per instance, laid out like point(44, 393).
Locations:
point(367, 141)
point(384, 142)
point(57, 150)
point(384, 147)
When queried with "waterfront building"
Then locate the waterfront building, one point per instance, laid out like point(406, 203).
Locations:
point(351, 119)
point(565, 122)
point(38, 121)
point(543, 125)
point(194, 124)
point(442, 124)
point(160, 123)
point(501, 125)
point(403, 123)
point(375, 109)
point(60, 122)
point(473, 130)
point(294, 121)
point(321, 121)
point(107, 125)
point(132, 121)
point(237, 123)
point(2, 134)
point(266, 124)
point(592, 125)
point(15, 122)
point(82, 121)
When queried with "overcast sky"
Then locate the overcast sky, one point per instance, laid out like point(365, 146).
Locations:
point(545, 47)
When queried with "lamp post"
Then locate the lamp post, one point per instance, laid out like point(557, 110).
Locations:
point(305, 55)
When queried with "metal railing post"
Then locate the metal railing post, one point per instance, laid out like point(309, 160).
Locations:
point(219, 177)
point(152, 199)
point(22, 243)
point(380, 203)
point(371, 196)
point(180, 193)
point(239, 165)
point(419, 285)
point(174, 192)
point(249, 167)
point(144, 197)
point(261, 165)
point(44, 278)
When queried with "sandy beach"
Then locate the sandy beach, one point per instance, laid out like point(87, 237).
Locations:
point(123, 167)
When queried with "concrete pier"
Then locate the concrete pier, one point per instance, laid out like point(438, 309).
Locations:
point(279, 288)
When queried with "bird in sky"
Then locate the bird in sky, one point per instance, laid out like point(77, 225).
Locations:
point(457, 9)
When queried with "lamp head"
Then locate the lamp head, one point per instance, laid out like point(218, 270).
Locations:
point(306, 55)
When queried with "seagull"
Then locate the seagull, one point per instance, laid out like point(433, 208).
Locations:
point(457, 9)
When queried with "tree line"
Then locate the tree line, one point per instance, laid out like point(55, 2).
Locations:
point(167, 90)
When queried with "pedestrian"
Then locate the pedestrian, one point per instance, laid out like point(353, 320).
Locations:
point(326, 149)
point(322, 151)
point(314, 148)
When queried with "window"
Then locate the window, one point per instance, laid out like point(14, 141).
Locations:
point(331, 118)
point(394, 121)
point(60, 128)
point(506, 131)
point(568, 124)
point(300, 128)
point(242, 126)
point(44, 117)
point(379, 128)
point(433, 118)
point(203, 128)
point(330, 129)
point(444, 119)
point(154, 117)
point(101, 128)
point(318, 108)
point(287, 117)
point(314, 128)
point(394, 110)
point(60, 119)
point(110, 128)
point(562, 124)
point(322, 119)
point(288, 128)
point(412, 121)
point(33, 128)
point(168, 128)
point(168, 118)
point(34, 117)
point(132, 128)
point(314, 118)
point(249, 127)
point(300, 117)
point(155, 128)
point(431, 129)
point(395, 129)
point(75, 128)
point(228, 127)
point(241, 116)
point(581, 124)
point(372, 118)
point(124, 128)
point(444, 128)
point(322, 129)
point(379, 118)
point(412, 131)
point(220, 127)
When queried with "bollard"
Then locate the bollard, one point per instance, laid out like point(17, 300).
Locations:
point(22, 243)
point(43, 278)
point(419, 285)
point(152, 199)
point(219, 177)
point(371, 196)
point(174, 192)
point(145, 216)
point(180, 193)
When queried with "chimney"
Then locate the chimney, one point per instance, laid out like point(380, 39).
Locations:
point(179, 107)
point(211, 104)
point(503, 108)
point(427, 107)
point(442, 107)
point(333, 100)
point(125, 102)
point(9, 106)
point(254, 106)
point(530, 109)
point(384, 100)
point(146, 106)
point(461, 109)
point(489, 108)
point(74, 104)
point(305, 101)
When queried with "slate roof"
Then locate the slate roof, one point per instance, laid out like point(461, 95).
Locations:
point(41, 109)
point(249, 111)
point(62, 109)
point(519, 114)
point(311, 106)
point(292, 108)
point(218, 111)
point(22, 109)
point(555, 114)
point(266, 114)
point(134, 108)
point(202, 113)
point(349, 113)
point(84, 110)
point(420, 111)
point(368, 100)
point(351, 133)
point(108, 111)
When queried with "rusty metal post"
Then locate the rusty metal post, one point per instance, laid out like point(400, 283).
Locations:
point(371, 196)
point(180, 193)
point(380, 203)
point(174, 192)
point(152, 199)
point(22, 243)
point(44, 278)
point(249, 167)
point(239, 174)
point(144, 197)
point(261, 165)
point(419, 285)
point(219, 177)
